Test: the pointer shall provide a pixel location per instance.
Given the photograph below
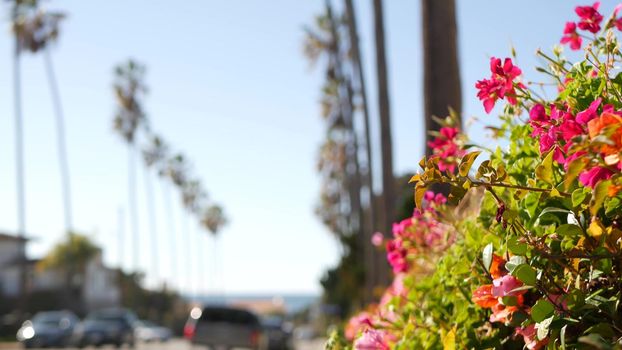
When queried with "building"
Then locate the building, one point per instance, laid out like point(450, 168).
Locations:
point(97, 287)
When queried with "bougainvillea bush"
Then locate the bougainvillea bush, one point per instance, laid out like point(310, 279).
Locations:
point(524, 250)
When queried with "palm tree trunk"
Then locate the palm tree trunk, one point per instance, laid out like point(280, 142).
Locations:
point(133, 205)
point(153, 227)
point(388, 181)
point(61, 140)
point(370, 219)
point(19, 170)
point(171, 228)
point(121, 237)
point(440, 60)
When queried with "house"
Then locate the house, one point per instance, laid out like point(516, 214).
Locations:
point(98, 287)
point(12, 253)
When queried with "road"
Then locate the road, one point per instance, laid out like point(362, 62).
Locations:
point(178, 344)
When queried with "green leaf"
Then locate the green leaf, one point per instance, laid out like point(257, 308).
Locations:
point(514, 261)
point(562, 337)
point(516, 247)
point(542, 310)
point(543, 328)
point(596, 341)
point(578, 196)
point(544, 171)
point(487, 256)
point(509, 300)
point(603, 329)
point(467, 162)
point(574, 168)
point(525, 274)
point(598, 196)
point(569, 230)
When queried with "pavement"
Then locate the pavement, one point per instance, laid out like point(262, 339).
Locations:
point(178, 344)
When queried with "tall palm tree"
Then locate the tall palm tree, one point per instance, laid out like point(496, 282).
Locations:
point(440, 60)
point(19, 148)
point(61, 141)
point(129, 90)
point(386, 147)
point(370, 219)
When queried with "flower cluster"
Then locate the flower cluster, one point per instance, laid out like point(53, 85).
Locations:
point(423, 232)
point(500, 85)
point(589, 20)
point(447, 148)
point(372, 328)
point(525, 251)
point(504, 296)
point(572, 138)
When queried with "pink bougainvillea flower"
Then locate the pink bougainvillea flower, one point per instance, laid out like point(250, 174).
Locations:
point(530, 337)
point(590, 113)
point(594, 175)
point(396, 255)
point(357, 324)
point(446, 149)
point(372, 339)
point(377, 239)
point(571, 36)
point(590, 17)
point(505, 286)
point(617, 22)
point(500, 85)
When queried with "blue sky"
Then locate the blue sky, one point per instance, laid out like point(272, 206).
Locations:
point(229, 87)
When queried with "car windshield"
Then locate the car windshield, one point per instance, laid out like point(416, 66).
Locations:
point(106, 317)
point(226, 315)
point(148, 324)
point(47, 319)
point(272, 321)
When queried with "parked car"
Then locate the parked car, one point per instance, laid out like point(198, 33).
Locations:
point(148, 331)
point(110, 326)
point(47, 329)
point(278, 332)
point(225, 327)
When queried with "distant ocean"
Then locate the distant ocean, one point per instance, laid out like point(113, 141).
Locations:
point(293, 302)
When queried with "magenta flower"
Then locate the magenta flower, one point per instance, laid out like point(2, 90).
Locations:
point(593, 176)
point(590, 113)
point(396, 255)
point(590, 17)
point(571, 36)
point(500, 85)
point(617, 22)
point(377, 239)
point(505, 285)
point(372, 339)
point(446, 149)
point(530, 338)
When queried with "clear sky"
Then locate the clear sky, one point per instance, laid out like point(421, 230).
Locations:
point(229, 87)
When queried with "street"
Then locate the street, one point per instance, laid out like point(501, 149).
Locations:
point(179, 344)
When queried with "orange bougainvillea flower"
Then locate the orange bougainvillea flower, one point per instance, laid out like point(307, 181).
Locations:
point(482, 296)
point(613, 190)
point(497, 266)
point(608, 123)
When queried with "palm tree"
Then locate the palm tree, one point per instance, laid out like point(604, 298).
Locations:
point(129, 90)
point(17, 20)
point(386, 147)
point(370, 219)
point(61, 141)
point(440, 61)
point(154, 153)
